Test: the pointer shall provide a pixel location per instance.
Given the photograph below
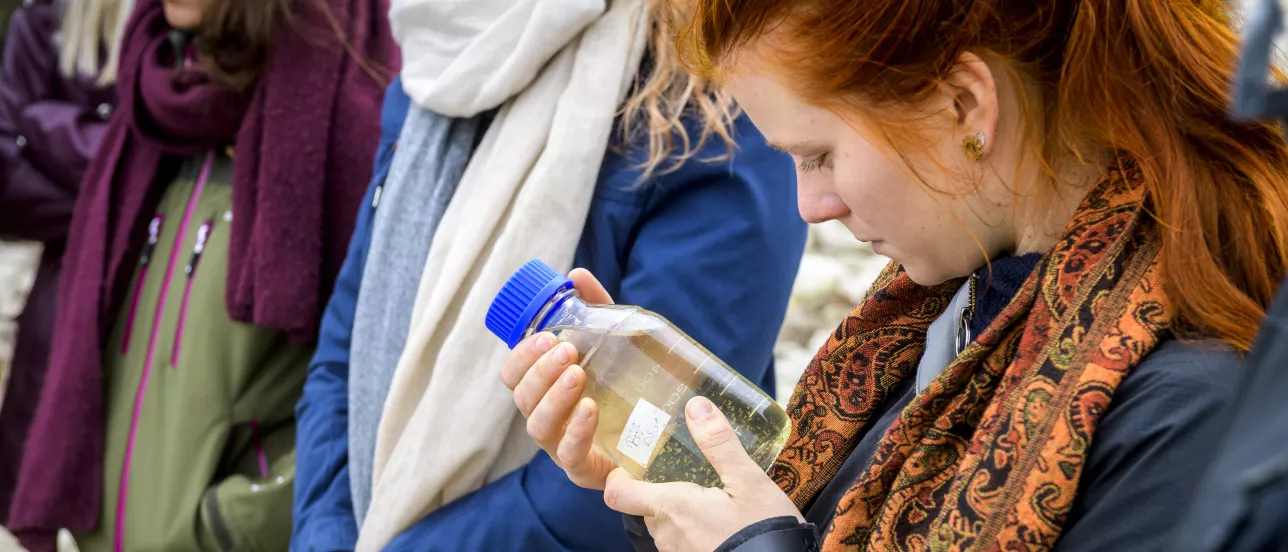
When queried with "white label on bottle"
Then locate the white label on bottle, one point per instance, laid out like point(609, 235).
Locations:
point(643, 430)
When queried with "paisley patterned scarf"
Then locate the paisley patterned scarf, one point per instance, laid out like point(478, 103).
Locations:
point(990, 454)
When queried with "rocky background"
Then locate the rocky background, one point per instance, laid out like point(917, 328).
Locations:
point(835, 273)
point(17, 269)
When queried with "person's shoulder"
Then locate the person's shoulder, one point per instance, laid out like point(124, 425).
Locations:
point(1202, 370)
point(694, 148)
point(1179, 392)
point(39, 17)
point(1188, 358)
point(694, 159)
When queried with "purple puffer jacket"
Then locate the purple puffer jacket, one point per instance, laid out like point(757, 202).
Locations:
point(50, 126)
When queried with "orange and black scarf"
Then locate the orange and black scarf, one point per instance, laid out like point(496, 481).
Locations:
point(990, 454)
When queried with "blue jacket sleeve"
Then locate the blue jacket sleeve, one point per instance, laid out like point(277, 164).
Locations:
point(713, 247)
point(323, 517)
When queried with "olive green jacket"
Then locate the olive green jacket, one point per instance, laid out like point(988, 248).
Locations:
point(200, 427)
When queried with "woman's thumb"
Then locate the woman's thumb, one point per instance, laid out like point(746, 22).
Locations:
point(719, 442)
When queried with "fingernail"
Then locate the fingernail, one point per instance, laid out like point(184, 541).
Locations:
point(700, 408)
point(544, 343)
point(583, 410)
point(569, 379)
point(561, 355)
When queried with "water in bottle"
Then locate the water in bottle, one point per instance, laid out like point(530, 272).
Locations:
point(641, 371)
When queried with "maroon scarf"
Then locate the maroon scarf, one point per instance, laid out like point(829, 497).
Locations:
point(305, 136)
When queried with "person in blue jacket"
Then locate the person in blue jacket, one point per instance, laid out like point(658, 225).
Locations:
point(712, 246)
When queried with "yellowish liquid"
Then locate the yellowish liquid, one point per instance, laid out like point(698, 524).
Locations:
point(645, 358)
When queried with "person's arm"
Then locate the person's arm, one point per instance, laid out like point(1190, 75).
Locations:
point(1156, 439)
point(1241, 503)
point(715, 251)
point(45, 144)
point(250, 508)
point(61, 138)
point(512, 514)
point(780, 534)
point(323, 517)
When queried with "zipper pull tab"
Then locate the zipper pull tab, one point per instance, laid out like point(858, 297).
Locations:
point(962, 336)
point(154, 235)
point(375, 196)
point(203, 234)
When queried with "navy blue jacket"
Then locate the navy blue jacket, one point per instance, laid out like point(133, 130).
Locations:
point(713, 247)
point(1241, 505)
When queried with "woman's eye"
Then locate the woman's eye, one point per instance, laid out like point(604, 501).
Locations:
point(816, 163)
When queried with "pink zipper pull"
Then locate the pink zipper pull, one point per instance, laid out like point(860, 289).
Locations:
point(260, 457)
point(154, 236)
point(203, 234)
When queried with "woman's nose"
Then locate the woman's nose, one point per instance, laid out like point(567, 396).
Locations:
point(818, 204)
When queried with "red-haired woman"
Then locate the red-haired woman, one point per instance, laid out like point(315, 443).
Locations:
point(1083, 245)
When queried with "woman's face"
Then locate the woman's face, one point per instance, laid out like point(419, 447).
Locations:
point(844, 174)
point(184, 14)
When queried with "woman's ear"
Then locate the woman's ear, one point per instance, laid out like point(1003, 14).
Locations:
point(973, 92)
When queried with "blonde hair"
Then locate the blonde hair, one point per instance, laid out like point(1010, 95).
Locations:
point(89, 27)
point(665, 98)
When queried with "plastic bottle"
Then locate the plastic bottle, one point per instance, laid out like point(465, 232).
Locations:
point(641, 371)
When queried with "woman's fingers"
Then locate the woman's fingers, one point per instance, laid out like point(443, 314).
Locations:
point(547, 389)
point(537, 381)
point(715, 436)
point(574, 448)
point(546, 424)
point(631, 496)
point(563, 424)
point(585, 466)
point(524, 355)
point(589, 288)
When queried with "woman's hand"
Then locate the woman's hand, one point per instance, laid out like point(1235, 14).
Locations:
point(685, 516)
point(547, 389)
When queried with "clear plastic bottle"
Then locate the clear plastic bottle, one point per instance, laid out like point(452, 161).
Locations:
point(641, 371)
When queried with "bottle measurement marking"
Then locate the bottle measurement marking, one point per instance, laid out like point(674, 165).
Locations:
point(699, 368)
point(732, 378)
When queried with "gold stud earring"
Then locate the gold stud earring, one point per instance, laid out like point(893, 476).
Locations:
point(974, 145)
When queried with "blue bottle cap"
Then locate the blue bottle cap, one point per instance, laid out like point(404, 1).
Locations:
point(521, 298)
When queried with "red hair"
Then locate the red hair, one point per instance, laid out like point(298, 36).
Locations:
point(1149, 79)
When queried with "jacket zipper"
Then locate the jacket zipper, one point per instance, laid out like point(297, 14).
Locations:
point(190, 272)
point(258, 443)
point(154, 235)
point(123, 490)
